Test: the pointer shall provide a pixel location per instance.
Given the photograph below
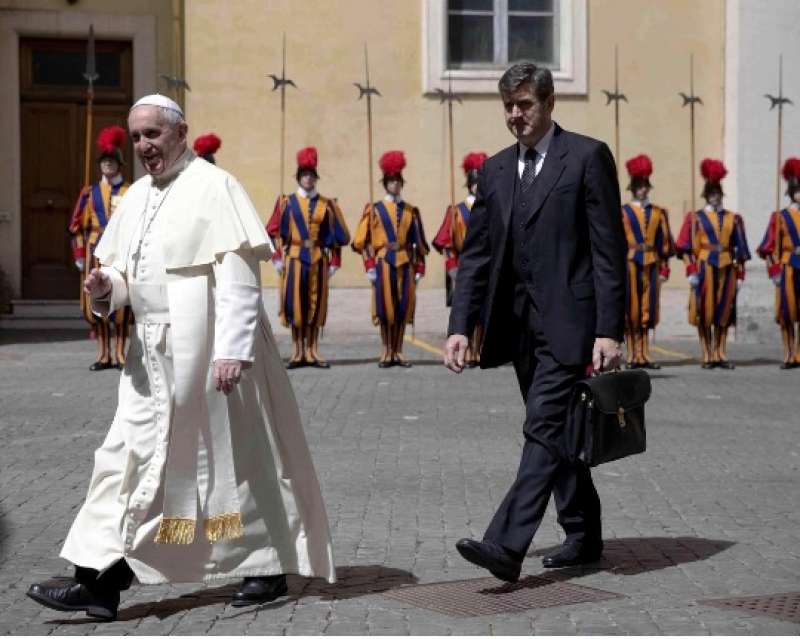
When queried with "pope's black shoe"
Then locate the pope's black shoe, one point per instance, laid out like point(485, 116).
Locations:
point(573, 555)
point(492, 557)
point(67, 595)
point(259, 590)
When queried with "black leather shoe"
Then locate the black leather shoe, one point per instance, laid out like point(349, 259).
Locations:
point(101, 366)
point(724, 363)
point(67, 595)
point(259, 590)
point(386, 364)
point(402, 362)
point(490, 556)
point(573, 555)
point(295, 363)
point(708, 365)
point(652, 366)
point(320, 363)
point(787, 366)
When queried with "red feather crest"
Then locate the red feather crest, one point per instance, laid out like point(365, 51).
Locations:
point(791, 169)
point(111, 139)
point(207, 144)
point(639, 167)
point(392, 162)
point(473, 161)
point(307, 158)
point(713, 170)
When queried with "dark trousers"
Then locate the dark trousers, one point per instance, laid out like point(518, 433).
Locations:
point(546, 386)
point(117, 577)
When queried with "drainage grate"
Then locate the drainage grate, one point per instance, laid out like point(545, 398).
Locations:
point(489, 596)
point(783, 605)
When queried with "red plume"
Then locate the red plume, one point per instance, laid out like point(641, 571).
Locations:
point(307, 158)
point(473, 161)
point(639, 167)
point(207, 144)
point(791, 169)
point(392, 162)
point(713, 170)
point(111, 139)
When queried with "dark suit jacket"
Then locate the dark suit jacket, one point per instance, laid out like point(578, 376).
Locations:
point(577, 252)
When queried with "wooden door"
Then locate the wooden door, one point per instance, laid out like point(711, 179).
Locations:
point(53, 137)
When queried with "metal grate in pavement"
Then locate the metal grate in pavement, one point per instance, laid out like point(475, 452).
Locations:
point(783, 605)
point(489, 596)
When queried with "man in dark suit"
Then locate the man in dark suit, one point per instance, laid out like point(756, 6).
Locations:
point(545, 251)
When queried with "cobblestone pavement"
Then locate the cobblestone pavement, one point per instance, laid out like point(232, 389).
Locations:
point(412, 460)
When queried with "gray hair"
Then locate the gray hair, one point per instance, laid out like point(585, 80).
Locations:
point(539, 78)
point(170, 116)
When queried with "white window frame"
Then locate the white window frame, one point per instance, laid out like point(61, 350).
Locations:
point(570, 77)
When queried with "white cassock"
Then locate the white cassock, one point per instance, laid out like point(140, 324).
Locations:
point(192, 485)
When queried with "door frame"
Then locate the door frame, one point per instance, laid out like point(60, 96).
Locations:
point(21, 23)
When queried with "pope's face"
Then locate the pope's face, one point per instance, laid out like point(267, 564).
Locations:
point(158, 144)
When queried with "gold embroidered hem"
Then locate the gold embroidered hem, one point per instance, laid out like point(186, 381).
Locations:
point(175, 530)
point(226, 526)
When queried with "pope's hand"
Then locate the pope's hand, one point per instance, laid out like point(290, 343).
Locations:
point(97, 284)
point(455, 349)
point(227, 373)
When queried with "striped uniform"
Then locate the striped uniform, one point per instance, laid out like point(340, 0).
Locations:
point(392, 241)
point(717, 250)
point(94, 208)
point(785, 255)
point(650, 245)
point(312, 232)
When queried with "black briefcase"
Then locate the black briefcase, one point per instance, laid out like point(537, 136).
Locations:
point(605, 420)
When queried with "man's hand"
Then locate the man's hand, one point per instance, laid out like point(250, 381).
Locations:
point(227, 373)
point(455, 348)
point(606, 354)
point(97, 284)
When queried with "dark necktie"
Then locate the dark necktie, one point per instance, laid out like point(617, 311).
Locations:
point(529, 172)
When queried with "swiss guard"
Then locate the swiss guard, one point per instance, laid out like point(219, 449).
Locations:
point(450, 241)
point(781, 249)
point(308, 231)
point(391, 240)
point(713, 246)
point(205, 146)
point(650, 245)
point(94, 208)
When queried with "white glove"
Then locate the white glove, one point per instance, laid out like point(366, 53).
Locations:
point(418, 277)
point(739, 284)
point(694, 280)
point(332, 270)
point(372, 275)
point(452, 273)
point(80, 263)
point(278, 264)
point(776, 279)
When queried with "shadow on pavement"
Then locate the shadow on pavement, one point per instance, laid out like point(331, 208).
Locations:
point(636, 555)
point(353, 581)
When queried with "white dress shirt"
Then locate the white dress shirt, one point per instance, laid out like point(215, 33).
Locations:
point(541, 151)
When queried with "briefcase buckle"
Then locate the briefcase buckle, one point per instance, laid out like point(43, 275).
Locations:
point(621, 417)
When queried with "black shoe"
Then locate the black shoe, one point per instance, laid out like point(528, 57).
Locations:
point(295, 363)
point(787, 366)
point(724, 363)
point(385, 364)
point(320, 363)
point(259, 590)
point(402, 362)
point(573, 555)
point(67, 595)
point(652, 366)
point(708, 365)
point(101, 366)
point(489, 555)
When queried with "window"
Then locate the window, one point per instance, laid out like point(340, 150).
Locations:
point(474, 41)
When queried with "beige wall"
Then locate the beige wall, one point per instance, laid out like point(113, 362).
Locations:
point(230, 47)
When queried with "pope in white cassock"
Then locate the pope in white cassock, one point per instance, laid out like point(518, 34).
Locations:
point(205, 473)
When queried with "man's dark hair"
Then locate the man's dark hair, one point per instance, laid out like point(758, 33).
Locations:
point(522, 73)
